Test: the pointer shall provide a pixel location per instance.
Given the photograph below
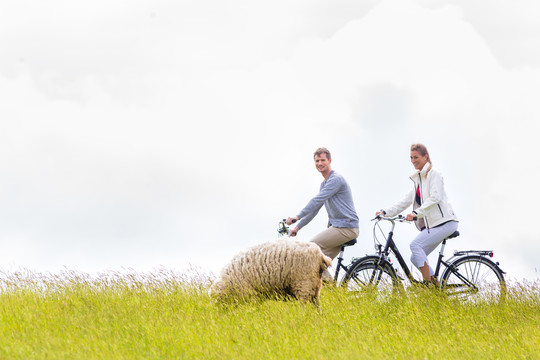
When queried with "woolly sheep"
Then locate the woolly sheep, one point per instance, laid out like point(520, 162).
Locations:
point(282, 268)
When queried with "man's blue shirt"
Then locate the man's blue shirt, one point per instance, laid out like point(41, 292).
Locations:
point(336, 196)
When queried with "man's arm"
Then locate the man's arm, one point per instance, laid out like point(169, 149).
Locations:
point(329, 189)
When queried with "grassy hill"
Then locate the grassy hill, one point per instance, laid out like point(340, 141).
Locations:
point(167, 315)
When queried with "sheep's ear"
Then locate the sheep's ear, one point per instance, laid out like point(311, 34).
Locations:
point(326, 262)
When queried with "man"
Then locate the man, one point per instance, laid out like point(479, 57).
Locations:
point(336, 196)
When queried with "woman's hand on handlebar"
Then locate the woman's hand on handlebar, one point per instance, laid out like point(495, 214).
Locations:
point(411, 217)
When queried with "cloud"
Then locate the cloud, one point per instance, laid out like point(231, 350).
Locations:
point(173, 133)
point(510, 30)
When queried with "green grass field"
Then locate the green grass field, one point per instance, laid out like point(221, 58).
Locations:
point(167, 315)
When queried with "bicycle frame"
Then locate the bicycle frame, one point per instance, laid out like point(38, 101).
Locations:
point(391, 245)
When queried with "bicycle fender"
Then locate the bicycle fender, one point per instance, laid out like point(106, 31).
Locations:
point(368, 258)
point(372, 259)
point(484, 259)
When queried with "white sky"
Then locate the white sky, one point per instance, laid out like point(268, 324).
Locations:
point(141, 134)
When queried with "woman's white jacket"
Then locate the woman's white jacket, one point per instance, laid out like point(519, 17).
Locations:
point(434, 208)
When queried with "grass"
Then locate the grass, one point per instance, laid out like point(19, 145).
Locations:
point(167, 315)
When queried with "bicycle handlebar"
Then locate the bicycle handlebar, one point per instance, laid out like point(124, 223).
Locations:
point(283, 228)
point(399, 218)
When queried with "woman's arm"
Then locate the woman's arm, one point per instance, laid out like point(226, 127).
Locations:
point(400, 205)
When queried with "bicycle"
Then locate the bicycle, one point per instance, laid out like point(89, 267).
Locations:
point(468, 274)
point(283, 229)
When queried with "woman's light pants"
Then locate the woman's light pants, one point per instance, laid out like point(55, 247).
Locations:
point(427, 241)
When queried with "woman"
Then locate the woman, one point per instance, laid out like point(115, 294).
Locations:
point(434, 215)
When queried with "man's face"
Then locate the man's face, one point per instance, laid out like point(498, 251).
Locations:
point(322, 163)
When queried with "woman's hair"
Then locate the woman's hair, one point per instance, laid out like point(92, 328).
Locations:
point(321, 151)
point(422, 150)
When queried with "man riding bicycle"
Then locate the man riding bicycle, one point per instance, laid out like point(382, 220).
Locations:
point(335, 194)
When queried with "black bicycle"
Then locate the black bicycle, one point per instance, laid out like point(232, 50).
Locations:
point(469, 274)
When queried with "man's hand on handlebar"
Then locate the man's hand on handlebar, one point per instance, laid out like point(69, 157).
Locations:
point(291, 220)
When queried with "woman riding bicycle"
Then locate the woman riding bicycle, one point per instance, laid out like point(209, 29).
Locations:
point(433, 214)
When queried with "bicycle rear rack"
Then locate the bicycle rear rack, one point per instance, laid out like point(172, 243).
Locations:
point(477, 252)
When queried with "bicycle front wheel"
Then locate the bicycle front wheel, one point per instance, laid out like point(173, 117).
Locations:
point(474, 278)
point(370, 275)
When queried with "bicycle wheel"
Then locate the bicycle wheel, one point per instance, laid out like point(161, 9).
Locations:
point(474, 278)
point(367, 275)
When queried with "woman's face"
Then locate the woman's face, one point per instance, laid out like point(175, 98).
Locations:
point(418, 160)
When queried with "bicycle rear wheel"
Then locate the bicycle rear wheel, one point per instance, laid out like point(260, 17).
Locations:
point(474, 278)
point(367, 275)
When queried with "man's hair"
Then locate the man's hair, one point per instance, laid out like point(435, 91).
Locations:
point(322, 150)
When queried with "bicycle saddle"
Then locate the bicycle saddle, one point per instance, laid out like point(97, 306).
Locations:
point(351, 243)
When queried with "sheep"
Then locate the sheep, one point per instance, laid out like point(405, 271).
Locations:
point(279, 269)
